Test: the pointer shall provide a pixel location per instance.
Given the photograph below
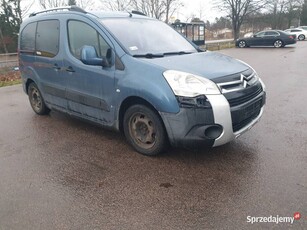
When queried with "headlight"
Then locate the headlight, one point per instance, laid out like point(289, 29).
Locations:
point(189, 85)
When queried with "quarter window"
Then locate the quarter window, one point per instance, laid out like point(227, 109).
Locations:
point(47, 38)
point(27, 38)
point(81, 34)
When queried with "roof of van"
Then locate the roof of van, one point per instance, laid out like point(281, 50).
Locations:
point(98, 14)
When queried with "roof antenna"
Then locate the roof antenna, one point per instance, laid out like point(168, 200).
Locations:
point(138, 12)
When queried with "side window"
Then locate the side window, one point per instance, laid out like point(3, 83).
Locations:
point(27, 38)
point(271, 33)
point(80, 34)
point(260, 34)
point(47, 38)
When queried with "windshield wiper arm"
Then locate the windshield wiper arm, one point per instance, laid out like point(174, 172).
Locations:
point(177, 53)
point(148, 55)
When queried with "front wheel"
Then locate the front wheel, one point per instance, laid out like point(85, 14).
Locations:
point(242, 44)
point(278, 44)
point(144, 130)
point(301, 37)
point(36, 100)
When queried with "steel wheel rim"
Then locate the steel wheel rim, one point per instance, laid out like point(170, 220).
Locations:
point(242, 44)
point(278, 43)
point(142, 130)
point(36, 100)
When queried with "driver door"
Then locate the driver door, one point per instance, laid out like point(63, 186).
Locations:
point(90, 88)
point(258, 39)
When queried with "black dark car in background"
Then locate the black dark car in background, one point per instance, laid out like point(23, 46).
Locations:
point(276, 38)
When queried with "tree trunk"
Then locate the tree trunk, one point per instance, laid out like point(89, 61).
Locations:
point(3, 43)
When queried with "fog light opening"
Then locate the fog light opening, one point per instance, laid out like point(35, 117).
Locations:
point(213, 132)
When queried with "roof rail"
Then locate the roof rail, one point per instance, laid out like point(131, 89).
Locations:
point(69, 8)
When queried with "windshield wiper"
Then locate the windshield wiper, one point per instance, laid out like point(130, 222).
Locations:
point(177, 53)
point(148, 55)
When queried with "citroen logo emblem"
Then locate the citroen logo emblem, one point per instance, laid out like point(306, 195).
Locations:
point(243, 81)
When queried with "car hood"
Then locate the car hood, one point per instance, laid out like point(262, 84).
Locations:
point(206, 64)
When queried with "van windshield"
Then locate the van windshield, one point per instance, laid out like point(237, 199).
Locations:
point(147, 37)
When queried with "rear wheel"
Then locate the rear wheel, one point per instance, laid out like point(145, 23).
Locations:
point(301, 37)
point(242, 44)
point(36, 100)
point(144, 130)
point(278, 44)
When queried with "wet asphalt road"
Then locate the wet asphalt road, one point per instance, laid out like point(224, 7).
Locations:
point(57, 172)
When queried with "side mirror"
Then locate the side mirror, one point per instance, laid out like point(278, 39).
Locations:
point(89, 56)
point(255, 35)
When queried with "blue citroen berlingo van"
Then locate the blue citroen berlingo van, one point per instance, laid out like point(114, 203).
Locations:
point(137, 75)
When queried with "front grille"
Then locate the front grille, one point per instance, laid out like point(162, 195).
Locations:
point(237, 126)
point(245, 115)
point(245, 97)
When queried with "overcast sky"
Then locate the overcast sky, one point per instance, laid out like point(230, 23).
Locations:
point(199, 8)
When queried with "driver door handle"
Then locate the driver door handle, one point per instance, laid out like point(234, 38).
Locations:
point(70, 69)
point(56, 67)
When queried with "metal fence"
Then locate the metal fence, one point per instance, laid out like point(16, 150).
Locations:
point(8, 60)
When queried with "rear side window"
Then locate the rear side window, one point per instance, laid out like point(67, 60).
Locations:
point(81, 34)
point(271, 33)
point(27, 38)
point(47, 38)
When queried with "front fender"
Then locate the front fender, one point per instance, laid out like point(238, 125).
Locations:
point(146, 81)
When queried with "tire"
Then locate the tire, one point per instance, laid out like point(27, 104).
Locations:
point(144, 130)
point(242, 44)
point(301, 37)
point(36, 100)
point(278, 44)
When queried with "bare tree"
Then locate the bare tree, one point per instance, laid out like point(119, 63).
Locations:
point(86, 4)
point(238, 10)
point(26, 8)
point(284, 11)
point(117, 5)
point(2, 41)
point(157, 8)
point(52, 3)
point(152, 8)
point(171, 6)
point(277, 8)
point(304, 13)
point(10, 20)
point(293, 8)
point(72, 2)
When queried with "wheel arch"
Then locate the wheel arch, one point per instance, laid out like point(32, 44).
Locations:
point(301, 35)
point(128, 102)
point(282, 43)
point(28, 82)
point(245, 42)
